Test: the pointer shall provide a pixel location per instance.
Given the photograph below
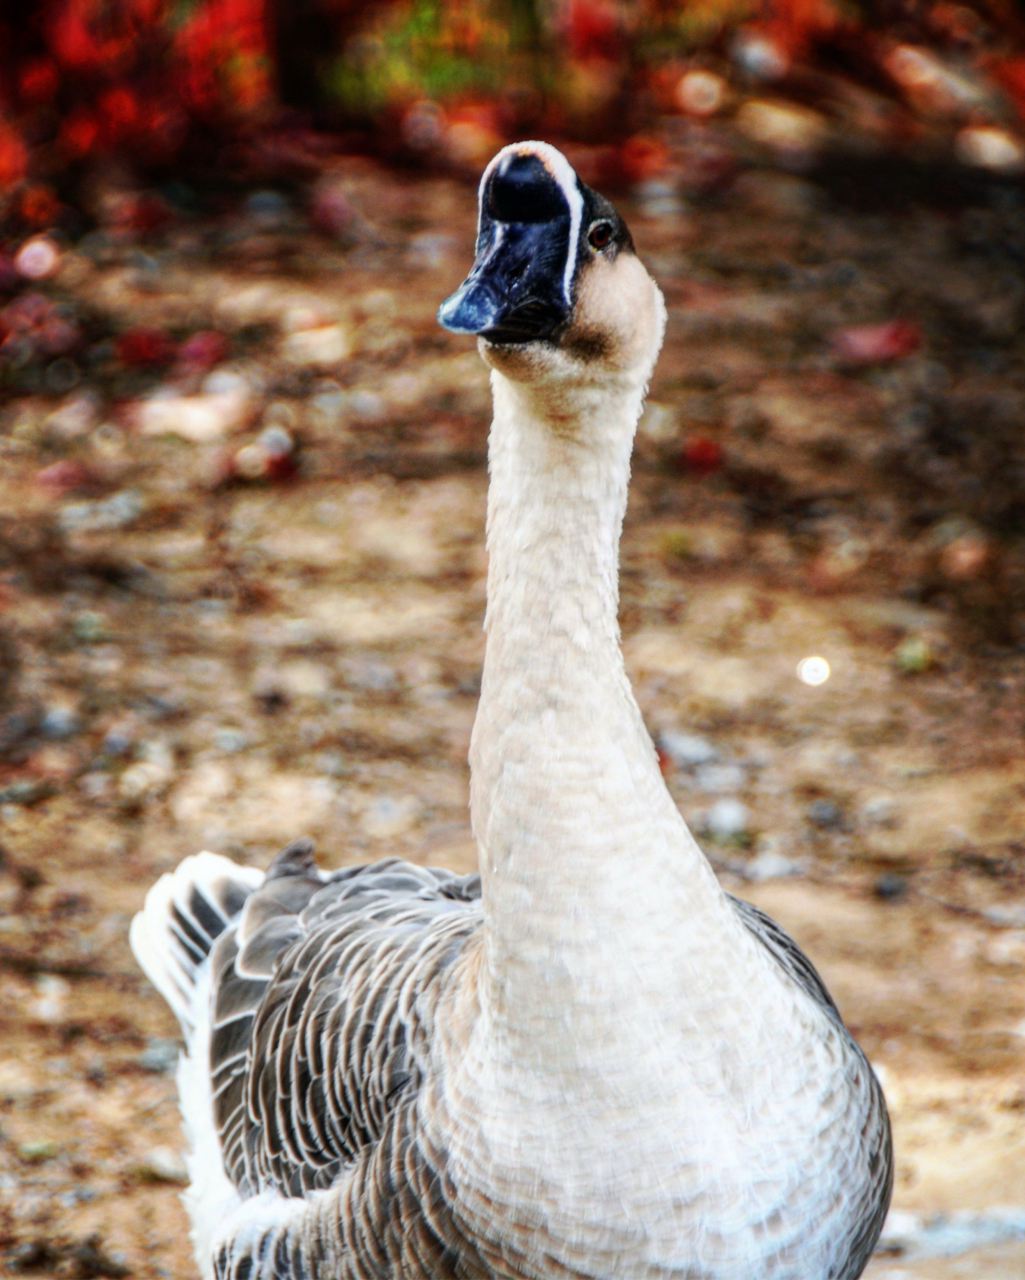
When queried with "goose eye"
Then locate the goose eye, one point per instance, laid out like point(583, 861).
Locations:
point(600, 235)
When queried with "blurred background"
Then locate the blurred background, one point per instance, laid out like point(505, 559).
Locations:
point(242, 486)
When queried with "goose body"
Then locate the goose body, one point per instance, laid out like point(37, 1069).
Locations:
point(589, 1060)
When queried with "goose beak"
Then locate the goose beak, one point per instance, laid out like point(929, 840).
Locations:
point(520, 286)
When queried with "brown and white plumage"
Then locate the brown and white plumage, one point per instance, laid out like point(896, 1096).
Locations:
point(589, 1060)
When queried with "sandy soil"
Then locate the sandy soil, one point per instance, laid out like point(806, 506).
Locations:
point(237, 663)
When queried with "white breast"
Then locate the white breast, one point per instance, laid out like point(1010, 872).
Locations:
point(725, 1140)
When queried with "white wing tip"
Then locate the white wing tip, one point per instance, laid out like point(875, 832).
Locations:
point(156, 941)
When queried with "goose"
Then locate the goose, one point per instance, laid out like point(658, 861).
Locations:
point(588, 1060)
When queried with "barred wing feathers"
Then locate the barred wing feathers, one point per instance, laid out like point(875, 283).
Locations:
point(319, 998)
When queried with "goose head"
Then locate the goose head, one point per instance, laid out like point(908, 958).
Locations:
point(556, 291)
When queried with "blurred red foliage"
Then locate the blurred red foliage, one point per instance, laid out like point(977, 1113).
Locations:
point(594, 29)
point(144, 79)
point(78, 77)
point(63, 477)
point(202, 351)
point(142, 346)
point(702, 456)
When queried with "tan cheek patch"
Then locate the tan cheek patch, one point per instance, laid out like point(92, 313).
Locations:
point(615, 314)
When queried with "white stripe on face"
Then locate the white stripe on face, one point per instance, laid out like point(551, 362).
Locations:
point(563, 174)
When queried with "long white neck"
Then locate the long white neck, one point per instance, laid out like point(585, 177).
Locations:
point(591, 882)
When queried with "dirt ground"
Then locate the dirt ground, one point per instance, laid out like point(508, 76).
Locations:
point(196, 659)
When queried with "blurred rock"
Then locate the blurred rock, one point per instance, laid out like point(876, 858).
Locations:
point(932, 86)
point(95, 1072)
point(60, 721)
point(36, 1150)
point(720, 778)
point(659, 198)
point(107, 442)
point(990, 148)
point(387, 816)
point(727, 819)
point(370, 673)
point(794, 133)
point(382, 336)
point(59, 336)
point(117, 741)
point(162, 1164)
point(328, 405)
point(50, 1004)
point(778, 195)
point(116, 512)
point(62, 375)
point(890, 886)
point(149, 776)
point(267, 208)
point(430, 250)
point(95, 785)
point(89, 627)
point(299, 678)
point(33, 327)
point(879, 811)
point(876, 343)
point(282, 413)
point(76, 417)
point(270, 457)
point(225, 405)
point(325, 345)
point(686, 750)
point(660, 423)
point(758, 55)
point(17, 1083)
point(331, 211)
point(56, 762)
point(230, 740)
point(769, 864)
point(837, 561)
point(366, 406)
point(332, 763)
point(90, 1259)
point(913, 656)
point(702, 93)
point(825, 814)
point(471, 143)
point(32, 1256)
point(1007, 950)
point(160, 1055)
point(702, 544)
point(27, 791)
point(424, 126)
point(140, 781)
point(965, 556)
point(159, 752)
point(37, 258)
point(943, 1235)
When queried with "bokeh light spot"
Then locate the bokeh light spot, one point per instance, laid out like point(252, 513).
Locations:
point(813, 671)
